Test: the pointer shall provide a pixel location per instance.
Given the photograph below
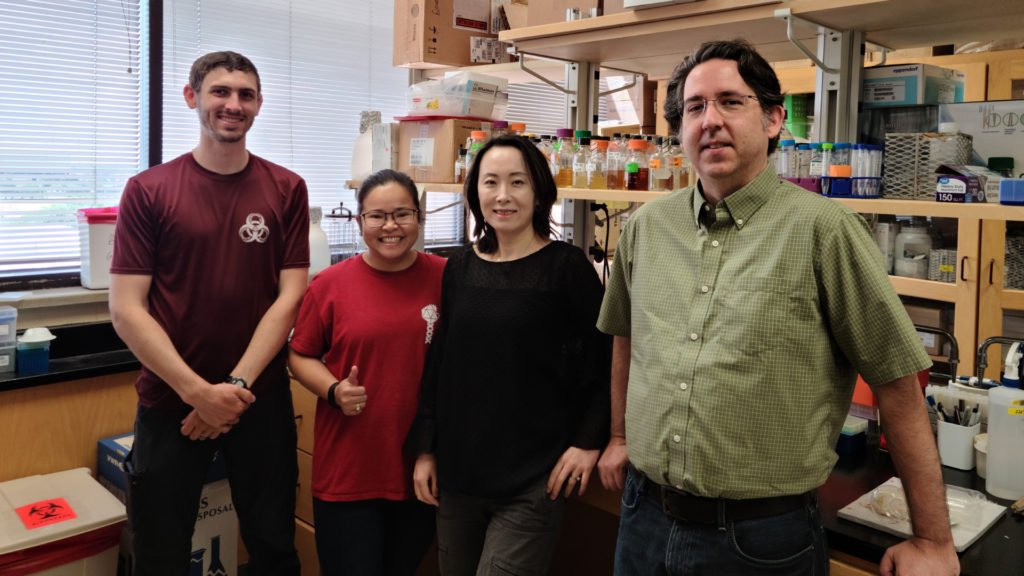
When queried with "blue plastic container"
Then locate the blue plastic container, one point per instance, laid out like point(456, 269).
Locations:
point(33, 358)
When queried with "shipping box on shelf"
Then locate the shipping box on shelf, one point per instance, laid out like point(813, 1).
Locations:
point(215, 540)
point(436, 33)
point(934, 316)
point(427, 148)
point(59, 524)
point(910, 84)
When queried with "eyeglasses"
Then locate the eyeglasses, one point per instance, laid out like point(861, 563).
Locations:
point(377, 219)
point(727, 105)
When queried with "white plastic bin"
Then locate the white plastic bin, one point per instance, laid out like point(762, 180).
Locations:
point(60, 524)
point(96, 238)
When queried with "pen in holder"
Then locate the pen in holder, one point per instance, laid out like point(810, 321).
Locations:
point(956, 444)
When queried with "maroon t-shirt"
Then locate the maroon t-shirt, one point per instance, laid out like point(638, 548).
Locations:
point(215, 246)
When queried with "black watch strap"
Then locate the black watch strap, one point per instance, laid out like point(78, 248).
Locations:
point(332, 400)
point(237, 381)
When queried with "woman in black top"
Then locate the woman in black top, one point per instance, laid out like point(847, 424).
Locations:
point(514, 405)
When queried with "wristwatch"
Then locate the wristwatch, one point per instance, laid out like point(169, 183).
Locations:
point(237, 381)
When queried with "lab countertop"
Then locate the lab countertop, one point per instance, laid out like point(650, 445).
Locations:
point(999, 551)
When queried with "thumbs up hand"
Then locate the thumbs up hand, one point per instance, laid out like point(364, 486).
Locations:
point(351, 396)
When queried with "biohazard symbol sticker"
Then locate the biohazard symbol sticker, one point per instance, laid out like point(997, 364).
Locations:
point(45, 513)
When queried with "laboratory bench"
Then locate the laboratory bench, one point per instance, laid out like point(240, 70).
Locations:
point(998, 552)
point(51, 421)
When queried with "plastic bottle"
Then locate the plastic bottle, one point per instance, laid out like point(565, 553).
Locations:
point(885, 237)
point(1005, 466)
point(499, 128)
point(913, 245)
point(578, 136)
point(826, 158)
point(814, 167)
point(677, 162)
point(660, 172)
point(616, 162)
point(786, 158)
point(597, 177)
point(561, 158)
point(635, 168)
point(517, 128)
point(579, 163)
point(475, 143)
point(319, 248)
point(841, 154)
point(803, 160)
point(461, 168)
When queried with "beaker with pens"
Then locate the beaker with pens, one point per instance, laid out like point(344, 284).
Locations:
point(957, 426)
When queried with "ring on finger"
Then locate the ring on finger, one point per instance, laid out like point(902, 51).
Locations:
point(579, 478)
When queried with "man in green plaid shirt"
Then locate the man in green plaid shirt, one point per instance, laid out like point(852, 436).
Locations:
point(742, 310)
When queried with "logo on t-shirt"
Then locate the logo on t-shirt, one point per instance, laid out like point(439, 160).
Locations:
point(430, 316)
point(254, 230)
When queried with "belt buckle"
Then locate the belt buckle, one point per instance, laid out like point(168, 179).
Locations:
point(669, 496)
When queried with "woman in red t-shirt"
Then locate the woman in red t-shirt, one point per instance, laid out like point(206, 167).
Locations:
point(359, 345)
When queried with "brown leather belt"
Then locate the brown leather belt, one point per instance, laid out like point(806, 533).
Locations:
point(687, 507)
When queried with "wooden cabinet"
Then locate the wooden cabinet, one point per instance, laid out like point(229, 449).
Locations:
point(994, 299)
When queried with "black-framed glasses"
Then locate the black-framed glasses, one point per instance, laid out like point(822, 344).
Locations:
point(727, 105)
point(377, 218)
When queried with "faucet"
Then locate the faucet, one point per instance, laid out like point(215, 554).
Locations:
point(983, 352)
point(954, 348)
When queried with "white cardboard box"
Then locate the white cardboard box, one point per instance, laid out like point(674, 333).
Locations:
point(910, 84)
point(215, 540)
point(47, 521)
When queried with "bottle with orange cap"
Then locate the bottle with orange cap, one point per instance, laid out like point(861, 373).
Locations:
point(473, 145)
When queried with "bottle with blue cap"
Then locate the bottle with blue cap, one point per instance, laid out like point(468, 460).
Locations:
point(1005, 474)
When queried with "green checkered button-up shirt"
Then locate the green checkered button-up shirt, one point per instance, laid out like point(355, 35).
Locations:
point(747, 336)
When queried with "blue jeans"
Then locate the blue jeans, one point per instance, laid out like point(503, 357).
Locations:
point(651, 542)
point(372, 537)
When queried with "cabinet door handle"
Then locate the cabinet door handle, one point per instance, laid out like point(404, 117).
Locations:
point(991, 267)
point(963, 264)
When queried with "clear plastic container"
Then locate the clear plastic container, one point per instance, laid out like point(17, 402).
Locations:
point(597, 164)
point(8, 325)
point(913, 245)
point(563, 151)
point(319, 248)
point(579, 163)
point(1005, 474)
point(659, 170)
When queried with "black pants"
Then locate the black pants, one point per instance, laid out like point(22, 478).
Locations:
point(166, 472)
point(372, 537)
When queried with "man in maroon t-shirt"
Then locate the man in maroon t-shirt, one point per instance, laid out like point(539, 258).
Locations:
point(211, 254)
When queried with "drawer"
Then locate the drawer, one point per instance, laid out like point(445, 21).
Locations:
point(304, 493)
point(305, 544)
point(304, 403)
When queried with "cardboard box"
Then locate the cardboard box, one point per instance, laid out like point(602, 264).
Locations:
point(910, 84)
point(966, 184)
point(934, 316)
point(427, 148)
point(551, 11)
point(215, 539)
point(384, 141)
point(436, 33)
point(59, 524)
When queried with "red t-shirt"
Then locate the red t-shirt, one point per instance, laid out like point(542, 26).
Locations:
point(382, 322)
point(215, 246)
